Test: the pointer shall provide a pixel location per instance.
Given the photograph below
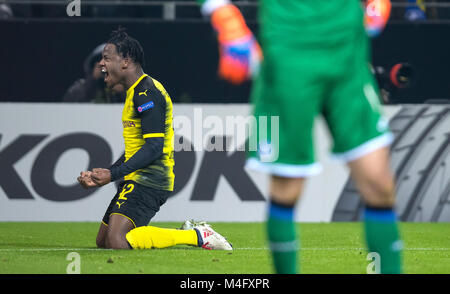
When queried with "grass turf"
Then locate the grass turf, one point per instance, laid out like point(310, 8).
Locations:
point(42, 248)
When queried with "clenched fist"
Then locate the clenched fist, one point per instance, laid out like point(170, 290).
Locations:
point(85, 180)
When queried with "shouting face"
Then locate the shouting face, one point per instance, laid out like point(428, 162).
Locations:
point(112, 66)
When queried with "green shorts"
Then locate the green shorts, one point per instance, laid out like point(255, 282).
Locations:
point(136, 202)
point(296, 84)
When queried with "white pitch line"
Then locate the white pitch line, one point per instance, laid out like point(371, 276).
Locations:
point(349, 249)
point(242, 248)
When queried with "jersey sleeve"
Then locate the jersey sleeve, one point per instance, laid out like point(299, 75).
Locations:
point(150, 106)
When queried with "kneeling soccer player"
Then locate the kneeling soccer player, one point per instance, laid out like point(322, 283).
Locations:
point(147, 165)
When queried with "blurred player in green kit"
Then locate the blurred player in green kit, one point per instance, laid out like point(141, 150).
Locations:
point(316, 62)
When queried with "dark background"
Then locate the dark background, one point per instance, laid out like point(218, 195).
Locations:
point(40, 59)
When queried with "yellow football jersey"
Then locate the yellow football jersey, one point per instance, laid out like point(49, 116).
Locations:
point(147, 113)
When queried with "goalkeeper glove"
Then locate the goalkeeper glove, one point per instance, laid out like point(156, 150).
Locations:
point(376, 16)
point(240, 53)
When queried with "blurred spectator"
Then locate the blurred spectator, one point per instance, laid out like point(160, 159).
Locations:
point(416, 10)
point(410, 10)
point(92, 88)
point(5, 12)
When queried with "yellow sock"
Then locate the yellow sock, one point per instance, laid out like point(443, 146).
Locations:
point(147, 237)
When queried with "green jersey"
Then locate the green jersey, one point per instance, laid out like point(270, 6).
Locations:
point(309, 21)
point(316, 62)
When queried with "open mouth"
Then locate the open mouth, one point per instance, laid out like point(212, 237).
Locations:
point(105, 73)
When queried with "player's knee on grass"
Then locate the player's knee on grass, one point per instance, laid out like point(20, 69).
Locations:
point(100, 242)
point(101, 236)
point(116, 241)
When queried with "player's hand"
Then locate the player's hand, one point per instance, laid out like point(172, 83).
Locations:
point(376, 15)
point(101, 176)
point(85, 180)
point(240, 53)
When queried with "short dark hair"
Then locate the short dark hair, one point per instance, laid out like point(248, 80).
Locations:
point(127, 46)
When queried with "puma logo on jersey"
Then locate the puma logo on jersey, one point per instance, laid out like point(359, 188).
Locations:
point(143, 93)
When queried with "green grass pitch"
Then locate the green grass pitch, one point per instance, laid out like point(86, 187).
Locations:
point(42, 248)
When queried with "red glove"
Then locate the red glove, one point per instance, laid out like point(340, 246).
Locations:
point(376, 15)
point(240, 53)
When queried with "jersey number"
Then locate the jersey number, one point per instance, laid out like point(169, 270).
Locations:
point(127, 189)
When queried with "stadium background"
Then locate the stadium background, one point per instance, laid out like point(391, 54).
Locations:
point(45, 51)
point(40, 40)
point(45, 141)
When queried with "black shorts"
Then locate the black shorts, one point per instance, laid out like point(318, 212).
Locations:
point(136, 202)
